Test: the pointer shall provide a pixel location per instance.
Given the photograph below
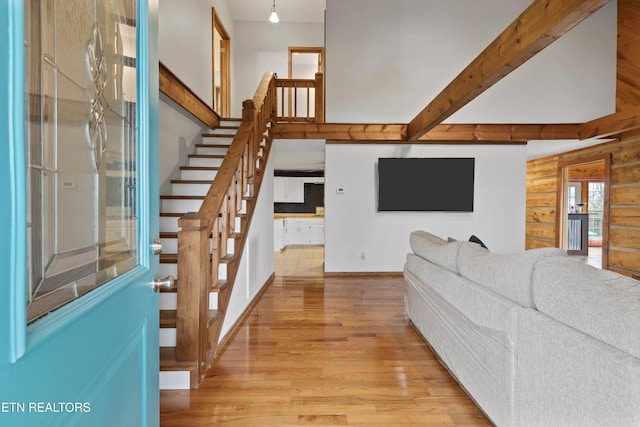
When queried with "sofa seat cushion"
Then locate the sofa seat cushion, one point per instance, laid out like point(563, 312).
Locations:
point(435, 250)
point(600, 303)
point(509, 275)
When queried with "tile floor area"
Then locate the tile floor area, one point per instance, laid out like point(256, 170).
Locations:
point(300, 261)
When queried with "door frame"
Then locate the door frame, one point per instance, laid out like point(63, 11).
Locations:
point(562, 210)
point(223, 110)
point(13, 163)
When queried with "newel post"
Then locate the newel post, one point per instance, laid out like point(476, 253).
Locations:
point(193, 290)
point(319, 86)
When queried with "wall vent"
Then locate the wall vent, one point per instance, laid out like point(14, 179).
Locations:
point(253, 264)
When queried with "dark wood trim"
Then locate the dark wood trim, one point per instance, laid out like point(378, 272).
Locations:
point(181, 94)
point(612, 125)
point(225, 68)
point(441, 134)
point(391, 274)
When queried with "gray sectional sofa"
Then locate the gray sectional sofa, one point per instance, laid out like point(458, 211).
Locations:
point(535, 338)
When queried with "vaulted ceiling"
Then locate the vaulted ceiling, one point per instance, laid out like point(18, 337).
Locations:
point(463, 88)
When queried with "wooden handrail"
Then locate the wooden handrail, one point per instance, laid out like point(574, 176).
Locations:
point(204, 235)
point(171, 86)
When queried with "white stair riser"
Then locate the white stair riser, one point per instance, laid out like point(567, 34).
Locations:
point(222, 272)
point(219, 131)
point(200, 175)
point(169, 301)
point(169, 224)
point(175, 380)
point(205, 161)
point(167, 337)
point(189, 189)
point(212, 150)
point(168, 270)
point(170, 246)
point(224, 140)
point(180, 205)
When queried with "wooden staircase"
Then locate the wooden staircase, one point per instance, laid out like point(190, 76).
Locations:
point(187, 194)
point(204, 225)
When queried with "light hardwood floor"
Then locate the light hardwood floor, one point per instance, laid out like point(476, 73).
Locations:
point(325, 351)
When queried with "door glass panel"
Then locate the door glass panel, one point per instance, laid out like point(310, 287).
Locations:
point(81, 147)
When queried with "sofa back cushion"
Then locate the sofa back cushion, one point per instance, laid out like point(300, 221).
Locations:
point(509, 275)
point(600, 303)
point(435, 250)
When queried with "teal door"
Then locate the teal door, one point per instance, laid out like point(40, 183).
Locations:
point(78, 213)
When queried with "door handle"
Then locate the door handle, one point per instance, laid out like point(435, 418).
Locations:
point(156, 246)
point(165, 284)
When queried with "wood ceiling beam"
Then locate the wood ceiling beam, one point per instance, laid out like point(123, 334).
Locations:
point(611, 125)
point(445, 133)
point(543, 22)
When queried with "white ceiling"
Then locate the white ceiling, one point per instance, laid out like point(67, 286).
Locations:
point(288, 10)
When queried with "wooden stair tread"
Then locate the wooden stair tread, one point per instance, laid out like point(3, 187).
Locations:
point(236, 119)
point(168, 361)
point(190, 181)
point(168, 318)
point(169, 197)
point(218, 135)
point(168, 234)
point(173, 259)
point(199, 168)
point(220, 286)
point(206, 156)
point(168, 258)
point(212, 145)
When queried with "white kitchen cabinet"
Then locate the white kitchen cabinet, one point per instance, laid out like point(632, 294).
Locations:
point(304, 231)
point(288, 189)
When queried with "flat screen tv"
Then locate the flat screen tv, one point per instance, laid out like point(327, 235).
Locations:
point(426, 184)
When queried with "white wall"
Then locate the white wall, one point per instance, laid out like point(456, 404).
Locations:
point(187, 53)
point(353, 225)
point(386, 60)
point(262, 46)
point(184, 41)
point(261, 226)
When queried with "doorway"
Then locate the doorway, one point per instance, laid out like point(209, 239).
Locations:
point(304, 63)
point(221, 65)
point(584, 209)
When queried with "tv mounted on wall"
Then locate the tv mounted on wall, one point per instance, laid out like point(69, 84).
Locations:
point(426, 184)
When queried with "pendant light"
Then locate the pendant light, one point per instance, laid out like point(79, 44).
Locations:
point(274, 15)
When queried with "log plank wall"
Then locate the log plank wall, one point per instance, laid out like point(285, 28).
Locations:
point(624, 216)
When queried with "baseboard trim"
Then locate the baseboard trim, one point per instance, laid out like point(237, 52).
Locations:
point(222, 344)
point(365, 274)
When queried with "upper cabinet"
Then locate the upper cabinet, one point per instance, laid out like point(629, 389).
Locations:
point(288, 189)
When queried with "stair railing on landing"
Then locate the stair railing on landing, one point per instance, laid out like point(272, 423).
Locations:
point(204, 235)
point(300, 100)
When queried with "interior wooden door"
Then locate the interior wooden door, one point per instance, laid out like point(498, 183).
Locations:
point(78, 166)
